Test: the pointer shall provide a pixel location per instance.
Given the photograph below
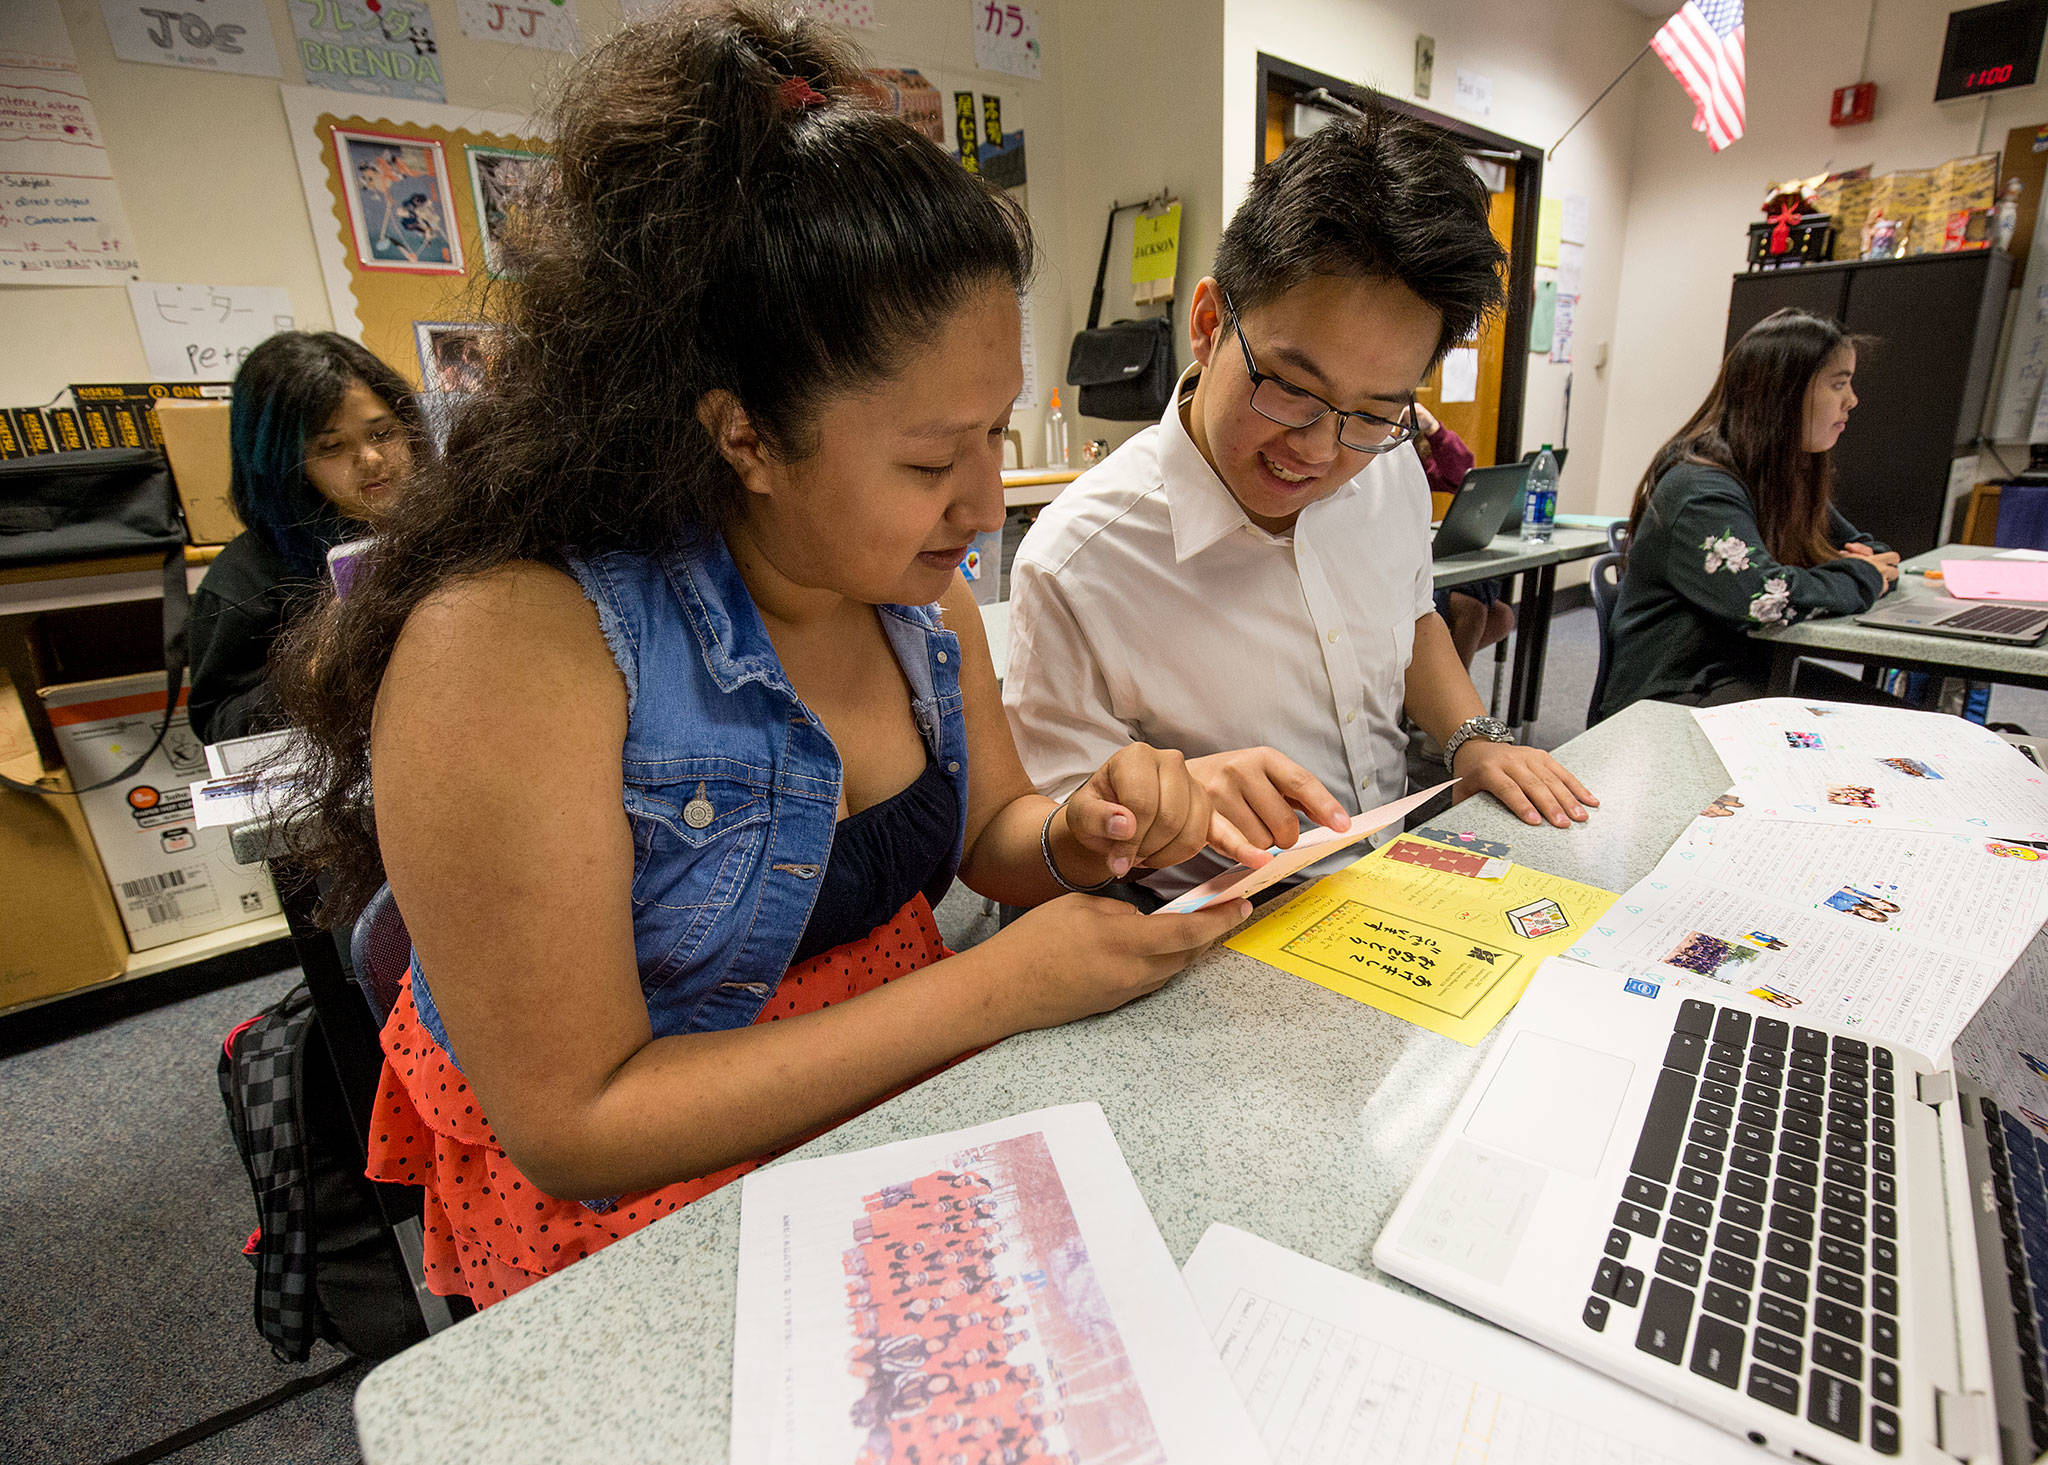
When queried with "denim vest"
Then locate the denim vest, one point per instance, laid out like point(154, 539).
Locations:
point(731, 784)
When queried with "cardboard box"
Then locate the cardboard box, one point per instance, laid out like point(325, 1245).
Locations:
point(169, 878)
point(1903, 197)
point(59, 930)
point(196, 442)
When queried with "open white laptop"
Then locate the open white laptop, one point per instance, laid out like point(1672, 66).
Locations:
point(1814, 1240)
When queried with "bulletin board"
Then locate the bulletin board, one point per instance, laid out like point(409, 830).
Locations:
point(394, 265)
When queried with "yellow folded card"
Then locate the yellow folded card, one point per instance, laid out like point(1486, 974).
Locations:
point(1439, 949)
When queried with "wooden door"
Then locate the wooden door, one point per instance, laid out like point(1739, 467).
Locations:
point(1478, 421)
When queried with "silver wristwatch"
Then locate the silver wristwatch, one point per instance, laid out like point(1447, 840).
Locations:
point(1490, 728)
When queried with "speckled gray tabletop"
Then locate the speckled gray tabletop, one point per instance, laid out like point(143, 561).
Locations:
point(1841, 637)
point(1238, 1093)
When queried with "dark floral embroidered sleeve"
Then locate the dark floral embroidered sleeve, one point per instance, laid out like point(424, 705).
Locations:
point(1734, 579)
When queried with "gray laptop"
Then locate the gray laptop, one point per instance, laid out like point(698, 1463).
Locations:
point(2012, 622)
point(1833, 1245)
point(1479, 508)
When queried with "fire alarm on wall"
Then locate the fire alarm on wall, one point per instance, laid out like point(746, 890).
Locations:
point(1853, 104)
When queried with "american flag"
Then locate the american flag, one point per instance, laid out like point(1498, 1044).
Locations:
point(1702, 45)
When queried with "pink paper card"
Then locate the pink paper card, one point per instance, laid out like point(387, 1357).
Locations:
point(1995, 579)
point(1317, 844)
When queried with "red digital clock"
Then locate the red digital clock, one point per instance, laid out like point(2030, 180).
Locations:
point(1991, 48)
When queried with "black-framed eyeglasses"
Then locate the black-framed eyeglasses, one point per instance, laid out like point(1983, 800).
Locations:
point(1278, 400)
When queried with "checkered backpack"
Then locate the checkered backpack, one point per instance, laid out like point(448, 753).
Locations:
point(325, 1265)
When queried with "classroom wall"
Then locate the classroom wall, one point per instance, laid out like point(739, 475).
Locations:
point(206, 171)
point(1142, 85)
point(212, 192)
point(1546, 59)
point(1688, 219)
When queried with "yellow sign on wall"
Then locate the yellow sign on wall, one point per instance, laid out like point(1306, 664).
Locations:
point(1155, 255)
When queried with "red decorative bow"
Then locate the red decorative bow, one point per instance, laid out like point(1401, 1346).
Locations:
point(1781, 231)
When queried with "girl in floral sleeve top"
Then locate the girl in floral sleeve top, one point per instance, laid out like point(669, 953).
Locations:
point(1733, 528)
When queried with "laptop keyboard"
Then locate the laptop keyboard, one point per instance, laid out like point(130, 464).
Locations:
point(2019, 1176)
point(1999, 620)
point(1756, 1240)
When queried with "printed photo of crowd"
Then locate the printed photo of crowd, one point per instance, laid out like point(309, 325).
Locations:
point(982, 1334)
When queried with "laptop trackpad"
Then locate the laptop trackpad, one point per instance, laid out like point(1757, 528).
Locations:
point(1553, 1103)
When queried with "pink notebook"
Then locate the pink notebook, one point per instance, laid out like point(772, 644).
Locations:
point(1995, 579)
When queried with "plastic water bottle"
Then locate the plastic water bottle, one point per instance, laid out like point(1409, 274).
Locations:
point(1539, 499)
point(1056, 435)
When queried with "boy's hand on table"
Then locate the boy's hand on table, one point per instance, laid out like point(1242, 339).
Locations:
point(1534, 786)
point(1256, 791)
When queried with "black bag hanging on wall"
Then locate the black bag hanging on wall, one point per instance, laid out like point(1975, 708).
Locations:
point(93, 505)
point(1126, 370)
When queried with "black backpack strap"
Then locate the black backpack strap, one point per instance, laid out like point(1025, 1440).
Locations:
point(227, 1419)
point(177, 613)
point(1102, 265)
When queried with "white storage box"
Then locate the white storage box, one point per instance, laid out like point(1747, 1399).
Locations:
point(170, 878)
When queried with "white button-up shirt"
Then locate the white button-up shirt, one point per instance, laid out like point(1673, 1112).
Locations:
point(1145, 607)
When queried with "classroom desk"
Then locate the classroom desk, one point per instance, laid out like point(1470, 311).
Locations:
point(1237, 1093)
point(1842, 639)
point(1537, 565)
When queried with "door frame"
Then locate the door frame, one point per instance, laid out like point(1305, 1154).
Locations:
point(1292, 82)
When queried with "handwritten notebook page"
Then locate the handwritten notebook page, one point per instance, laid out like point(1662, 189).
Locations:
point(1333, 1368)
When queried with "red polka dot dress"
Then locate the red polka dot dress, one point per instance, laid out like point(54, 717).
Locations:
point(489, 1230)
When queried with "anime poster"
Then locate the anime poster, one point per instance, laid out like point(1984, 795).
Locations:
point(497, 179)
point(453, 355)
point(997, 1294)
point(399, 203)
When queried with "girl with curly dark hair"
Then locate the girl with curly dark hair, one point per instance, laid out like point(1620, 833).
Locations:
point(680, 714)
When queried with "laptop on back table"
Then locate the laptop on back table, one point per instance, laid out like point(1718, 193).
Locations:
point(1479, 508)
point(2012, 623)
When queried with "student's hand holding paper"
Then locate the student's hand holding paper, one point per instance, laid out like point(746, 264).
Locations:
point(1257, 790)
point(1083, 954)
point(1143, 807)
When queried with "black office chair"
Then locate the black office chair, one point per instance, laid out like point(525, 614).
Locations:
point(1617, 538)
point(351, 1028)
point(1606, 587)
point(379, 952)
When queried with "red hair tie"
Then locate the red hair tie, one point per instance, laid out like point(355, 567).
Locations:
point(797, 93)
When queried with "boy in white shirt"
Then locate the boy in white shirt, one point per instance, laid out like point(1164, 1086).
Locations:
point(1255, 570)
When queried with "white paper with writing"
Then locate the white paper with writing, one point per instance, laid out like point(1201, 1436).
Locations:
point(193, 333)
point(1005, 37)
point(207, 35)
point(1333, 1367)
point(1475, 92)
point(61, 218)
point(1838, 763)
point(544, 25)
point(1898, 932)
point(1461, 375)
